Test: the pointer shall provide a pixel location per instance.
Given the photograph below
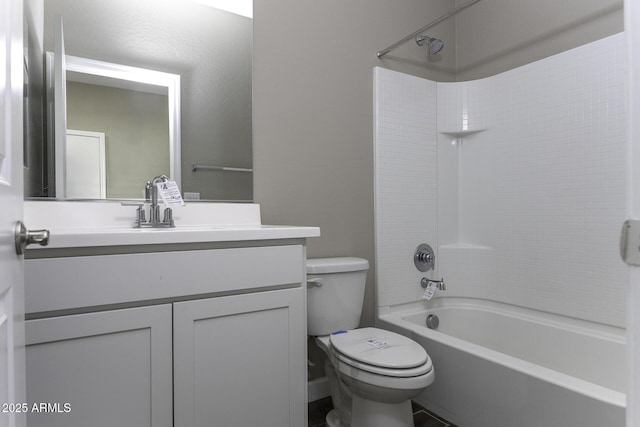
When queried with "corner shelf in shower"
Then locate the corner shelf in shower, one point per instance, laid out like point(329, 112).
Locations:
point(460, 133)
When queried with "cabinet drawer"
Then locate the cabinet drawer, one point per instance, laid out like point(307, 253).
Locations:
point(74, 282)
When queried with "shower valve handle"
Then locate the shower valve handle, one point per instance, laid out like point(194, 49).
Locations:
point(424, 258)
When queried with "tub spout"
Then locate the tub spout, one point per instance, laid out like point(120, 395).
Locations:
point(439, 283)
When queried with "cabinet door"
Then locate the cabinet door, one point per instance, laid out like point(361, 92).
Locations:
point(110, 368)
point(241, 361)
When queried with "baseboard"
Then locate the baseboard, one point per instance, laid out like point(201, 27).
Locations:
point(318, 389)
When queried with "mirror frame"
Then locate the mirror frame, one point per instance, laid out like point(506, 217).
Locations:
point(138, 75)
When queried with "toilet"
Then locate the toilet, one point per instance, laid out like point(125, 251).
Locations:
point(373, 373)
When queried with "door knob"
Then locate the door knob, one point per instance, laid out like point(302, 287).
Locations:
point(26, 237)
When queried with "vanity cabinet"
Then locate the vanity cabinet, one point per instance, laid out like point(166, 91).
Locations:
point(236, 360)
point(198, 335)
point(110, 368)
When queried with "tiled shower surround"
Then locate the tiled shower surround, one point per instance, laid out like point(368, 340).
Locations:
point(518, 182)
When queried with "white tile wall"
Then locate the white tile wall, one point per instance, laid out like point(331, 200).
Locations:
point(406, 181)
point(461, 107)
point(539, 193)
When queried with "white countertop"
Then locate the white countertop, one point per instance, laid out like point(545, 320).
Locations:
point(115, 236)
point(95, 224)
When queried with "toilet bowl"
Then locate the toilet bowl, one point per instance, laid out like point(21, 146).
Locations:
point(373, 373)
point(380, 372)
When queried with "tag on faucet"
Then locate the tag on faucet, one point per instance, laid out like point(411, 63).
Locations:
point(170, 193)
point(429, 291)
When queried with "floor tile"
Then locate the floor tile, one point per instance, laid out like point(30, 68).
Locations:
point(319, 409)
point(424, 419)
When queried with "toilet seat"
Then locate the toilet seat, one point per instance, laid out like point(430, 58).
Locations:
point(380, 352)
point(395, 373)
point(371, 382)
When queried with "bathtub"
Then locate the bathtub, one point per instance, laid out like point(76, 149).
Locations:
point(499, 365)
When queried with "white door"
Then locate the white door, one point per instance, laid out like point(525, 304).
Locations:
point(12, 376)
point(632, 29)
point(86, 165)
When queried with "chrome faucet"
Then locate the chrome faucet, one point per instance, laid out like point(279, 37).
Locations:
point(439, 283)
point(154, 208)
point(151, 197)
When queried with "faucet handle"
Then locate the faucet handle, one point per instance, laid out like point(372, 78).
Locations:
point(140, 215)
point(147, 190)
point(168, 216)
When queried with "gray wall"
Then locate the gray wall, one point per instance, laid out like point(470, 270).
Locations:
point(497, 35)
point(313, 104)
point(313, 122)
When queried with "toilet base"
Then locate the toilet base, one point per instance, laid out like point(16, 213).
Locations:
point(369, 413)
point(334, 420)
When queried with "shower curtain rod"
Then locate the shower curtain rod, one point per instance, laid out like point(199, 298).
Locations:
point(447, 15)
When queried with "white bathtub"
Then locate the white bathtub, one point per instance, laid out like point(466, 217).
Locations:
point(500, 365)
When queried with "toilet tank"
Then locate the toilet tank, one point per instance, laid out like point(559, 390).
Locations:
point(335, 292)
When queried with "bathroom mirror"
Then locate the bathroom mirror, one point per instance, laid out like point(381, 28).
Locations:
point(210, 50)
point(138, 109)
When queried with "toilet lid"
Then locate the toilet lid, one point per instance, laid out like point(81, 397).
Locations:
point(377, 347)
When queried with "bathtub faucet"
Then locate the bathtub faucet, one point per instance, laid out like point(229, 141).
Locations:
point(425, 282)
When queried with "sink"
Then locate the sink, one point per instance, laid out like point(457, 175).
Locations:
point(107, 223)
point(99, 214)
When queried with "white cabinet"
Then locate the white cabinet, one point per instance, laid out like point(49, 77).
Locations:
point(238, 360)
point(110, 368)
point(207, 336)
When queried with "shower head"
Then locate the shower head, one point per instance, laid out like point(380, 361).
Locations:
point(435, 45)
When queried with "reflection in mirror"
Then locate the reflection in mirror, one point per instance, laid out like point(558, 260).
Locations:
point(211, 51)
point(130, 123)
